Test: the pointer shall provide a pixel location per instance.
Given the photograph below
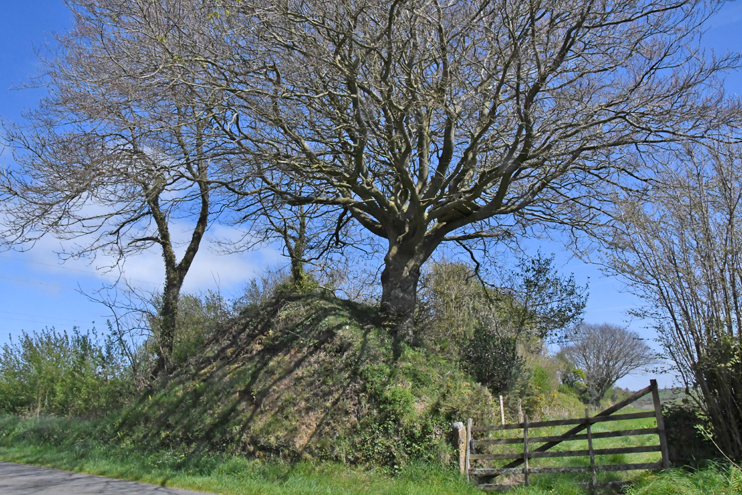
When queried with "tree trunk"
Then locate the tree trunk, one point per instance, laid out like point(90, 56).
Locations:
point(298, 275)
point(399, 290)
point(175, 272)
point(168, 322)
point(296, 252)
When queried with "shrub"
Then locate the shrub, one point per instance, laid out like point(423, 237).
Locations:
point(686, 443)
point(64, 374)
point(493, 360)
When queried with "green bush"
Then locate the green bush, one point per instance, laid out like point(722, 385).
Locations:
point(493, 360)
point(50, 372)
point(686, 444)
point(198, 318)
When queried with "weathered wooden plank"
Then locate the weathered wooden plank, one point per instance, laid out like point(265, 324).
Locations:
point(488, 487)
point(467, 457)
point(621, 417)
point(525, 450)
point(569, 453)
point(495, 457)
point(485, 471)
point(519, 426)
point(500, 441)
point(570, 469)
point(628, 467)
point(590, 450)
point(605, 484)
point(565, 422)
point(569, 438)
point(459, 431)
point(579, 453)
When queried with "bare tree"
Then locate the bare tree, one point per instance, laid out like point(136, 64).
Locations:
point(116, 155)
point(438, 121)
point(308, 234)
point(606, 353)
point(680, 251)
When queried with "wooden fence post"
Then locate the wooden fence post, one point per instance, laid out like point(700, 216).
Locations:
point(525, 446)
point(594, 480)
point(660, 424)
point(459, 442)
point(467, 461)
point(502, 411)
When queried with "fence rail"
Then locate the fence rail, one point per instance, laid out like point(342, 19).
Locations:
point(527, 440)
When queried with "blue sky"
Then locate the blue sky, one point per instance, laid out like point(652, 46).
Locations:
point(36, 290)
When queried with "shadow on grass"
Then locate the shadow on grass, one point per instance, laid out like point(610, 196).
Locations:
point(272, 384)
point(306, 377)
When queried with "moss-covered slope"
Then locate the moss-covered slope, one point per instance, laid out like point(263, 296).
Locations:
point(311, 376)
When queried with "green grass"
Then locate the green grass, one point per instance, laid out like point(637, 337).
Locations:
point(66, 444)
point(713, 480)
point(73, 445)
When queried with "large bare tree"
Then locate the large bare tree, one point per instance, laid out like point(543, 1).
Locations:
point(118, 157)
point(680, 250)
point(449, 121)
point(606, 353)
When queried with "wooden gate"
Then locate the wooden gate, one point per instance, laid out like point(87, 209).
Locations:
point(487, 474)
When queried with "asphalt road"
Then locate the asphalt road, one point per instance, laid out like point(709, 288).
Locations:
point(18, 479)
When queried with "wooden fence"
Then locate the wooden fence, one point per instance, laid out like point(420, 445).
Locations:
point(471, 457)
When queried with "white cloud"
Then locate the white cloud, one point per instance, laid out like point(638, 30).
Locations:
point(145, 270)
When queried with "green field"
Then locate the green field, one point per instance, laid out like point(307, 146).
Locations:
point(666, 395)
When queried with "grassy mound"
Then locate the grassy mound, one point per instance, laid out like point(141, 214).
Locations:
point(309, 376)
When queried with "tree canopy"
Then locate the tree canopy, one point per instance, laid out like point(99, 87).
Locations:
point(451, 121)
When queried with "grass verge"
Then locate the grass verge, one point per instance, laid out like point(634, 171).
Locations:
point(66, 444)
point(70, 444)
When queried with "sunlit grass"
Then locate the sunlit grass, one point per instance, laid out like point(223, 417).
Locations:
point(67, 444)
point(62, 444)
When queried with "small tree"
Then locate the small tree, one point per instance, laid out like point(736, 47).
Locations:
point(531, 302)
point(606, 353)
point(679, 250)
point(493, 359)
point(116, 155)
